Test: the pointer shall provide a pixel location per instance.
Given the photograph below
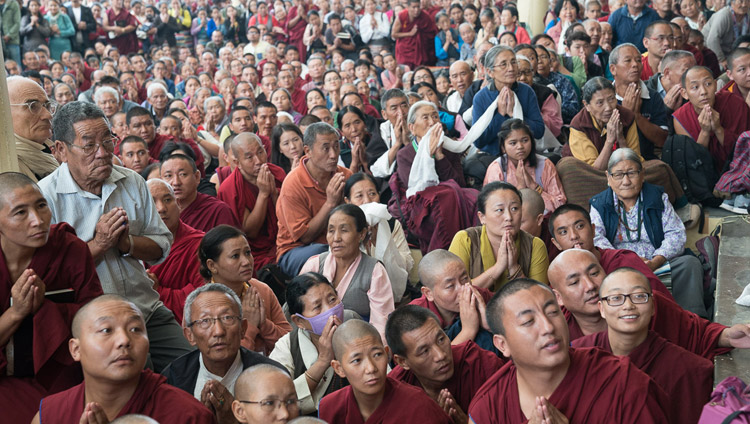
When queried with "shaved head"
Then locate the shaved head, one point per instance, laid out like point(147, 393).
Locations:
point(253, 376)
point(496, 305)
point(350, 331)
point(10, 181)
point(560, 265)
point(134, 419)
point(532, 201)
point(307, 420)
point(83, 314)
point(242, 140)
point(616, 274)
point(432, 265)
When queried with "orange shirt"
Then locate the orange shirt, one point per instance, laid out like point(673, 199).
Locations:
point(300, 199)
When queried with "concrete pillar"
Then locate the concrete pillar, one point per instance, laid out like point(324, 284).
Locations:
point(532, 12)
point(8, 156)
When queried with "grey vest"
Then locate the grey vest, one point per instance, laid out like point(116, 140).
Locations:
point(356, 298)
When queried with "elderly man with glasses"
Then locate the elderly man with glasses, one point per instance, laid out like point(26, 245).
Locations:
point(213, 322)
point(111, 209)
point(32, 111)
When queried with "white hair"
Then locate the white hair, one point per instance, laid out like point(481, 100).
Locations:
point(154, 181)
point(155, 86)
point(213, 99)
point(412, 116)
point(99, 93)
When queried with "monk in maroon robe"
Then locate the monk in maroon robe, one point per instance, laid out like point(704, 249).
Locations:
point(450, 375)
point(37, 260)
point(372, 396)
point(115, 382)
point(251, 192)
point(120, 25)
point(627, 305)
point(414, 31)
point(576, 276)
point(200, 211)
point(295, 28)
point(714, 120)
point(548, 380)
point(179, 274)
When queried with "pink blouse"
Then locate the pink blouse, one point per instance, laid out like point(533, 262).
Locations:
point(552, 191)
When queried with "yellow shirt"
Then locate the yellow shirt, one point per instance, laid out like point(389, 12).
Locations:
point(461, 247)
point(583, 149)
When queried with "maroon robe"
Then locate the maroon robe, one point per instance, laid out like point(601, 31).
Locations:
point(63, 263)
point(402, 403)
point(125, 43)
point(241, 196)
point(153, 397)
point(296, 33)
point(428, 304)
point(299, 104)
point(685, 377)
point(683, 328)
point(179, 274)
point(472, 366)
point(612, 259)
point(206, 212)
point(157, 144)
point(598, 388)
point(418, 49)
point(223, 172)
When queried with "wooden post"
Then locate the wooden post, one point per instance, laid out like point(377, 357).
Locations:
point(532, 12)
point(8, 156)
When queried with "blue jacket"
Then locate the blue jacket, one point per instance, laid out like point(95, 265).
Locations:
point(653, 211)
point(625, 30)
point(488, 141)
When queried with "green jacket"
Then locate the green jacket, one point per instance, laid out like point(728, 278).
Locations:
point(11, 20)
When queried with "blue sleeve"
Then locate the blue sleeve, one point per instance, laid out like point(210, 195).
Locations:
point(532, 116)
point(614, 22)
point(66, 29)
point(210, 27)
point(440, 53)
point(488, 140)
point(551, 24)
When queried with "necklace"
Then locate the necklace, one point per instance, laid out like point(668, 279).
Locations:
point(624, 221)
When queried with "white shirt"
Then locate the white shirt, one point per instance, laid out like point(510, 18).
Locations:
point(204, 375)
point(77, 14)
point(126, 189)
point(383, 168)
point(453, 102)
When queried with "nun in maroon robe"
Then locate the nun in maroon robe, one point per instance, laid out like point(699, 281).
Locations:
point(241, 195)
point(418, 49)
point(65, 262)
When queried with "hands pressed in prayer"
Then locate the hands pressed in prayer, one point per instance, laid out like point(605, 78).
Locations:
point(450, 406)
point(546, 413)
point(218, 400)
point(253, 307)
point(335, 189)
point(93, 414)
point(27, 294)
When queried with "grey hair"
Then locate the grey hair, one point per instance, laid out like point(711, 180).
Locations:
point(210, 287)
point(623, 154)
point(347, 62)
point(673, 56)
point(593, 86)
point(433, 263)
point(71, 114)
point(466, 24)
point(520, 57)
point(154, 181)
point(493, 53)
point(412, 116)
point(105, 89)
point(314, 130)
point(225, 48)
point(155, 85)
point(281, 89)
point(614, 56)
point(407, 76)
point(211, 99)
point(315, 58)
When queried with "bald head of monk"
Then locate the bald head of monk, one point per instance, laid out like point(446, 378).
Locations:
point(529, 326)
point(24, 215)
point(264, 394)
point(443, 275)
point(110, 341)
point(532, 211)
point(361, 357)
point(250, 154)
point(576, 275)
point(165, 202)
point(134, 419)
point(626, 304)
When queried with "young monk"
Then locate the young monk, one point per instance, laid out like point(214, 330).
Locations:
point(110, 342)
point(372, 396)
point(449, 374)
point(265, 394)
point(548, 382)
point(627, 304)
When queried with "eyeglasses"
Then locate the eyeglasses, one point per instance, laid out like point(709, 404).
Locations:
point(270, 405)
point(35, 106)
point(620, 175)
point(619, 299)
point(526, 73)
point(91, 148)
point(504, 65)
point(206, 323)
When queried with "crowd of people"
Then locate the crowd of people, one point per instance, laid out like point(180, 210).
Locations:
point(366, 211)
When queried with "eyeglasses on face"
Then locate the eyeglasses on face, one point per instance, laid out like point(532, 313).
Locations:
point(91, 148)
point(270, 405)
point(206, 323)
point(35, 106)
point(619, 299)
point(620, 175)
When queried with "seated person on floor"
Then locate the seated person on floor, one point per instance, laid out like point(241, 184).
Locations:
point(179, 274)
point(549, 107)
point(627, 304)
point(532, 214)
point(498, 251)
point(317, 311)
point(361, 281)
point(37, 258)
point(226, 259)
point(372, 396)
point(667, 81)
point(637, 216)
point(110, 342)
point(394, 133)
point(737, 64)
point(134, 153)
point(214, 324)
point(251, 191)
point(310, 192)
point(548, 381)
point(265, 394)
point(449, 374)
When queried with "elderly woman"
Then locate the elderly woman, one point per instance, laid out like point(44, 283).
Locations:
point(510, 99)
point(360, 280)
point(226, 259)
point(316, 310)
point(568, 12)
point(356, 137)
point(498, 251)
point(637, 216)
point(61, 30)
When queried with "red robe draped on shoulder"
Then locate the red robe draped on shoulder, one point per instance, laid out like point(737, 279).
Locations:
point(402, 403)
point(296, 33)
point(157, 144)
point(683, 328)
point(65, 262)
point(241, 195)
point(418, 49)
point(472, 366)
point(153, 397)
point(598, 388)
point(179, 274)
point(612, 259)
point(685, 377)
point(206, 212)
